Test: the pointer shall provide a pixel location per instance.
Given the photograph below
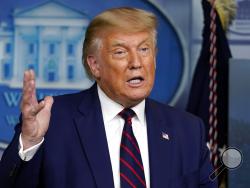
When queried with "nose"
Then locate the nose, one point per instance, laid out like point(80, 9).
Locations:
point(135, 61)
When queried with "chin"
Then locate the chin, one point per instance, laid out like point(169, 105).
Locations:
point(138, 97)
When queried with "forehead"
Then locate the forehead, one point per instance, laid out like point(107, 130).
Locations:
point(119, 38)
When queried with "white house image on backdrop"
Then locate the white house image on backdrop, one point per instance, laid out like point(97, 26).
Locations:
point(48, 39)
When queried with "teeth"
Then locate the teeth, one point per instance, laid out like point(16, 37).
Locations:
point(136, 81)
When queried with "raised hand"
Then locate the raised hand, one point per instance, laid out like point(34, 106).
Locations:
point(35, 116)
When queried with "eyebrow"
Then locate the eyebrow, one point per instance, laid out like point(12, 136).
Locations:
point(121, 43)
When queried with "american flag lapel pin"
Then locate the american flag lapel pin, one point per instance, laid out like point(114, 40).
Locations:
point(164, 135)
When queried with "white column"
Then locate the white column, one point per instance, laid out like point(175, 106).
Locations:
point(63, 58)
point(17, 67)
point(40, 53)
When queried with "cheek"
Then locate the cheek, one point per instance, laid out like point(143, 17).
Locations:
point(151, 71)
point(117, 72)
point(113, 76)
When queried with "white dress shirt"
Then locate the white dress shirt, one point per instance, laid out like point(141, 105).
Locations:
point(113, 124)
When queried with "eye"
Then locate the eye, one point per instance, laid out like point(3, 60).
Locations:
point(144, 50)
point(119, 53)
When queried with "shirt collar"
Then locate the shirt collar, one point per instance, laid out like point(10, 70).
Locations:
point(110, 108)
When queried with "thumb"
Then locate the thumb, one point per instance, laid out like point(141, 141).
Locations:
point(48, 102)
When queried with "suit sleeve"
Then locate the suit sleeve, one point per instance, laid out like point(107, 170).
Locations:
point(206, 167)
point(14, 172)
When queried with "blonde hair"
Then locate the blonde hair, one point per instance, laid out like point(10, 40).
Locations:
point(125, 19)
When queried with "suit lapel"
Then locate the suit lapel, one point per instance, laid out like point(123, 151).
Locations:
point(160, 143)
point(91, 130)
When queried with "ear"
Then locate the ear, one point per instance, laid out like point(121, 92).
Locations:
point(93, 65)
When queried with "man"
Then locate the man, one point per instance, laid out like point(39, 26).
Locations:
point(110, 135)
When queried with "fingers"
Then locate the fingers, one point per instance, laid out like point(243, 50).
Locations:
point(29, 88)
point(37, 108)
point(30, 111)
point(29, 104)
point(29, 75)
point(33, 86)
point(44, 104)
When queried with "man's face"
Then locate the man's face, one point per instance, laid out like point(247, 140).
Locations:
point(124, 66)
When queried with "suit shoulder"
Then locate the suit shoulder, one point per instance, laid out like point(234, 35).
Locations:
point(179, 120)
point(69, 102)
point(72, 98)
point(185, 127)
point(68, 98)
point(163, 109)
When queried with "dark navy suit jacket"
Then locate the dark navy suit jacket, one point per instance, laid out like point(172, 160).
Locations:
point(75, 152)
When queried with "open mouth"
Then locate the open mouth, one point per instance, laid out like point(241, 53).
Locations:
point(136, 80)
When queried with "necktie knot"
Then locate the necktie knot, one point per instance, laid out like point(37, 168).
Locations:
point(127, 114)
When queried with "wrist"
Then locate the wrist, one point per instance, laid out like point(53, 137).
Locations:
point(29, 141)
